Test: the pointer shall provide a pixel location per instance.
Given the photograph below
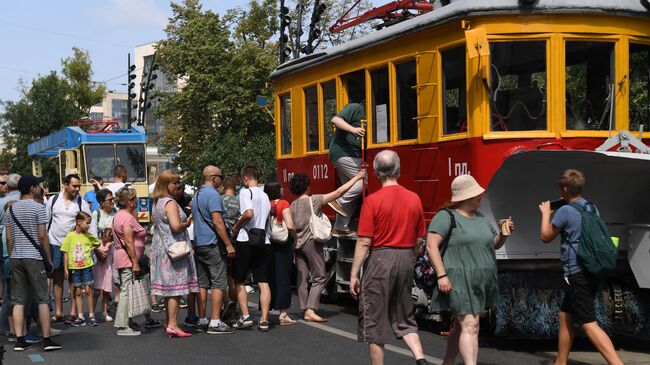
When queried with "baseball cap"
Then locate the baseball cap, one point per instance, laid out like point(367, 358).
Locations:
point(27, 181)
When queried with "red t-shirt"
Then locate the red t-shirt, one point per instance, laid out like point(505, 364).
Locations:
point(392, 217)
point(278, 206)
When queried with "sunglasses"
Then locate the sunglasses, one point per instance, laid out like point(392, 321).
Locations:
point(3, 183)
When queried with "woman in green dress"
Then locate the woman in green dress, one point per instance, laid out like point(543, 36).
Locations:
point(467, 278)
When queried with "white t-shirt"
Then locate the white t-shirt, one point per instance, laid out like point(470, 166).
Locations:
point(115, 187)
point(63, 218)
point(261, 207)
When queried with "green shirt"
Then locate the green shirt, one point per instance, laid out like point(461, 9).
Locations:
point(346, 144)
point(79, 248)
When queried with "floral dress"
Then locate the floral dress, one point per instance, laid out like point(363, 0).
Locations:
point(170, 278)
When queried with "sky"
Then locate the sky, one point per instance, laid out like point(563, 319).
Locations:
point(36, 35)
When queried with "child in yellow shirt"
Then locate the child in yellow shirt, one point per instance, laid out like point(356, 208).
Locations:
point(77, 248)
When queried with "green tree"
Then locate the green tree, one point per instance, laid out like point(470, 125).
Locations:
point(50, 103)
point(78, 72)
point(224, 63)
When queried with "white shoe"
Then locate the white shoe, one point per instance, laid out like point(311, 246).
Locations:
point(128, 331)
point(249, 289)
point(107, 317)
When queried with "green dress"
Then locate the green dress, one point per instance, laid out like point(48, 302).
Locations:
point(470, 264)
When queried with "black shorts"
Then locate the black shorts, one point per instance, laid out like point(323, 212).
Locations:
point(579, 296)
point(256, 259)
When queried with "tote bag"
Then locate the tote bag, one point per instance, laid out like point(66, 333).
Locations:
point(139, 302)
point(320, 225)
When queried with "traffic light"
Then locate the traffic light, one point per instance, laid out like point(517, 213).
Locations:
point(285, 22)
point(314, 26)
point(130, 93)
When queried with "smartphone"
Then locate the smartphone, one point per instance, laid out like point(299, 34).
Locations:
point(556, 204)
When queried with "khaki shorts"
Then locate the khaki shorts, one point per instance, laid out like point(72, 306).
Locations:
point(385, 304)
point(28, 277)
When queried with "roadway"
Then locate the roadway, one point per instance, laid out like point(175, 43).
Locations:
point(304, 343)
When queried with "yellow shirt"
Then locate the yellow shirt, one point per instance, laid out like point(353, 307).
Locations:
point(79, 247)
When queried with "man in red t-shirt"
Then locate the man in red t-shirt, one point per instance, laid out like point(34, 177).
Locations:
point(390, 227)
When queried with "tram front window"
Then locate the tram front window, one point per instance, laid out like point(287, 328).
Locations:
point(589, 82)
point(454, 88)
point(131, 156)
point(311, 115)
point(518, 86)
point(407, 101)
point(285, 124)
point(100, 160)
point(639, 86)
point(329, 110)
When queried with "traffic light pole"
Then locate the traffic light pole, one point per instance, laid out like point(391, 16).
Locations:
point(145, 99)
point(128, 90)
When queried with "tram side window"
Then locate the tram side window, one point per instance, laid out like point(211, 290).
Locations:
point(329, 110)
point(285, 124)
point(407, 101)
point(311, 114)
point(454, 96)
point(639, 86)
point(589, 78)
point(380, 106)
point(518, 86)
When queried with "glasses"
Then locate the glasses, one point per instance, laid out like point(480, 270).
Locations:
point(109, 199)
point(3, 182)
point(76, 186)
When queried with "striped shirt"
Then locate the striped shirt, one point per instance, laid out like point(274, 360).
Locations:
point(30, 214)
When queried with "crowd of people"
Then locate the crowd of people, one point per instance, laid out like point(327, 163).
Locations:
point(235, 228)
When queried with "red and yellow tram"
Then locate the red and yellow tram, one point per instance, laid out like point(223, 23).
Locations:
point(510, 91)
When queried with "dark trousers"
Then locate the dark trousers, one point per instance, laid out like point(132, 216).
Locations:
point(281, 278)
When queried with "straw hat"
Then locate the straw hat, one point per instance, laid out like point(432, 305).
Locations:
point(465, 187)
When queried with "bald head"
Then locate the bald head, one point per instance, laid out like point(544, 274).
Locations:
point(212, 176)
point(386, 165)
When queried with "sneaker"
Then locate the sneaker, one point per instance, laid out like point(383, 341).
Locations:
point(183, 303)
point(228, 311)
point(92, 322)
point(202, 327)
point(152, 323)
point(54, 332)
point(107, 317)
point(31, 339)
point(421, 362)
point(221, 329)
point(128, 332)
point(243, 323)
point(157, 308)
point(49, 345)
point(263, 326)
point(65, 299)
point(338, 208)
point(78, 322)
point(21, 345)
point(191, 321)
point(11, 337)
point(250, 289)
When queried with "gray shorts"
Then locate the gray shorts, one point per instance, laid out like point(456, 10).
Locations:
point(385, 304)
point(210, 267)
point(28, 277)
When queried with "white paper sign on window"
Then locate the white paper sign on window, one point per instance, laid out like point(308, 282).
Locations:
point(382, 123)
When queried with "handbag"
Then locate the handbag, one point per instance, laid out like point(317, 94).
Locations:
point(178, 250)
point(220, 244)
point(139, 302)
point(320, 225)
point(49, 269)
point(256, 236)
point(424, 274)
point(143, 261)
point(279, 233)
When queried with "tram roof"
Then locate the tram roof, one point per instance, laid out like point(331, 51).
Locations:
point(460, 9)
point(73, 137)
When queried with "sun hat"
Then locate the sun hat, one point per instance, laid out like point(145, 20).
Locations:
point(465, 187)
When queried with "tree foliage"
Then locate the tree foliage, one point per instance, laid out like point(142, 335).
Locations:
point(50, 103)
point(213, 117)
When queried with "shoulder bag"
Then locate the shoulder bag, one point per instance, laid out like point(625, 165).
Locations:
point(278, 232)
point(49, 269)
point(320, 225)
point(221, 245)
point(143, 261)
point(179, 249)
point(256, 236)
point(424, 274)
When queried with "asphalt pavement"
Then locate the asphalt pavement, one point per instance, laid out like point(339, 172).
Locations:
point(333, 342)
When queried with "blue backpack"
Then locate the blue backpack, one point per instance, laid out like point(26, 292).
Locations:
point(596, 251)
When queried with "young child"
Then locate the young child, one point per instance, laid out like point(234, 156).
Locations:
point(77, 248)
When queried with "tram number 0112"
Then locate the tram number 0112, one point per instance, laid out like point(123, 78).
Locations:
point(320, 171)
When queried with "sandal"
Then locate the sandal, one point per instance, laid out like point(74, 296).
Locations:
point(69, 319)
point(57, 318)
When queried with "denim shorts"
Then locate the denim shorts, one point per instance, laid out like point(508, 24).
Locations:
point(82, 277)
point(57, 257)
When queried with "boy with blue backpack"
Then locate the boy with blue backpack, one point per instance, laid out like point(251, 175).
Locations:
point(587, 252)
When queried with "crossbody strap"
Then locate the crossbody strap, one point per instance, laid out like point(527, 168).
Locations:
point(452, 225)
point(29, 237)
